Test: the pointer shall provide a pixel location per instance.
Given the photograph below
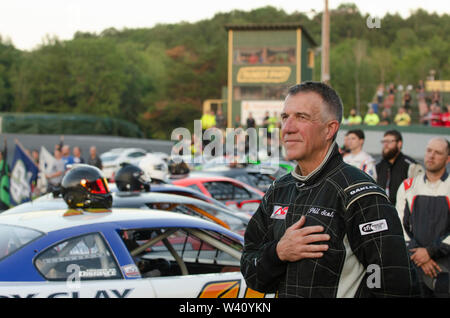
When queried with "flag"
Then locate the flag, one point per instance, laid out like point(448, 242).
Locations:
point(24, 174)
point(46, 161)
point(4, 185)
point(4, 180)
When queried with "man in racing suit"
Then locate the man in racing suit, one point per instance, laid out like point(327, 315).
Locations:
point(423, 203)
point(357, 157)
point(326, 229)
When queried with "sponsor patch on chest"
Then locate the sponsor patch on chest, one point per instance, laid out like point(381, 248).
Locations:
point(373, 227)
point(279, 212)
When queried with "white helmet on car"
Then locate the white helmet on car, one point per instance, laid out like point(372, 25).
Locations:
point(154, 167)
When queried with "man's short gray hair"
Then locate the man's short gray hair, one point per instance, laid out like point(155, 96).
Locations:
point(328, 94)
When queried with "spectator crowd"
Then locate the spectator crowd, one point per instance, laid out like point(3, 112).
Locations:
point(403, 107)
point(51, 166)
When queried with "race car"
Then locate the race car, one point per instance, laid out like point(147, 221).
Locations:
point(249, 175)
point(112, 159)
point(232, 192)
point(118, 253)
point(236, 221)
point(180, 190)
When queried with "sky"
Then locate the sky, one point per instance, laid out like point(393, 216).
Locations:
point(26, 23)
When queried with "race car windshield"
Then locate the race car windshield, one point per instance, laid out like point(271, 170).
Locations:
point(109, 158)
point(13, 238)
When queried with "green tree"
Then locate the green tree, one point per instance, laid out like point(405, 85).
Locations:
point(41, 80)
point(159, 77)
point(9, 56)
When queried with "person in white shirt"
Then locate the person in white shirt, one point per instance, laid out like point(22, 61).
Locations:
point(357, 157)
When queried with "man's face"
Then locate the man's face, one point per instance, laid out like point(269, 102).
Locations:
point(354, 143)
point(76, 152)
point(391, 147)
point(303, 131)
point(65, 151)
point(57, 154)
point(436, 155)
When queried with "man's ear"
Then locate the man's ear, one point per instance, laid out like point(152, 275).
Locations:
point(332, 129)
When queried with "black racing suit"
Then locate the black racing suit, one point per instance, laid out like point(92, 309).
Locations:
point(367, 254)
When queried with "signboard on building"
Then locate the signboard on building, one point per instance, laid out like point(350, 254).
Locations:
point(263, 74)
point(442, 86)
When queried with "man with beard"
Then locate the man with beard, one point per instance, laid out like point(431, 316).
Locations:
point(423, 206)
point(395, 166)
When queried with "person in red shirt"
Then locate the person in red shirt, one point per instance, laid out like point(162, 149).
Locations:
point(435, 116)
point(445, 117)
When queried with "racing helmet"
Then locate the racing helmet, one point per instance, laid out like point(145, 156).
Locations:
point(131, 178)
point(84, 186)
point(155, 168)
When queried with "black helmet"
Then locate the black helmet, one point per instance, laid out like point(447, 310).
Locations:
point(84, 186)
point(131, 178)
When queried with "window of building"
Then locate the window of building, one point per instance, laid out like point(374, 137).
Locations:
point(265, 55)
point(249, 56)
point(248, 92)
point(275, 92)
point(280, 56)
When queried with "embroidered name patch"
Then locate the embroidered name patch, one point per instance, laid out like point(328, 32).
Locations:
point(279, 212)
point(373, 227)
point(318, 211)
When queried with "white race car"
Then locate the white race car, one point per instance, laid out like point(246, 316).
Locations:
point(112, 159)
point(118, 253)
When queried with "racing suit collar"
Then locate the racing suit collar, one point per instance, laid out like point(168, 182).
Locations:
point(443, 177)
point(332, 152)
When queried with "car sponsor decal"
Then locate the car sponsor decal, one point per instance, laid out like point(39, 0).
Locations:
point(279, 212)
point(250, 293)
point(227, 289)
point(102, 293)
point(131, 271)
point(224, 289)
point(73, 258)
point(373, 227)
point(102, 272)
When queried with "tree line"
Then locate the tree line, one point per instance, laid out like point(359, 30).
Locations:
point(159, 77)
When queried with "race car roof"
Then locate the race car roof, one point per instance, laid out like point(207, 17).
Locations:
point(48, 221)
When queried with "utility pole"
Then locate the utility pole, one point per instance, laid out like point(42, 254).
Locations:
point(325, 74)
